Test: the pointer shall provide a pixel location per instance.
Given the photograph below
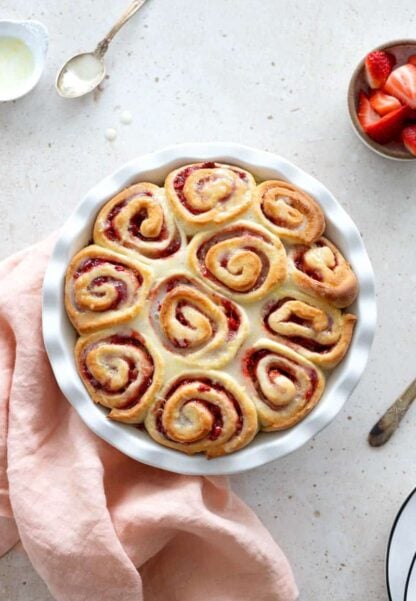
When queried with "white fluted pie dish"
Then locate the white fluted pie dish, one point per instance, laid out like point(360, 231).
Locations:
point(59, 336)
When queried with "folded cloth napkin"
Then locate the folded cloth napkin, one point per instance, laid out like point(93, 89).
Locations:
point(97, 525)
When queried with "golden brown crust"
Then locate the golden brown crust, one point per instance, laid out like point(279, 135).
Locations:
point(189, 325)
point(208, 194)
point(103, 288)
point(321, 269)
point(242, 260)
point(288, 211)
point(137, 222)
point(311, 326)
point(203, 412)
point(193, 322)
point(285, 385)
point(120, 372)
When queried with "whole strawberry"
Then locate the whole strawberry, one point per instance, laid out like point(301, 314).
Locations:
point(378, 66)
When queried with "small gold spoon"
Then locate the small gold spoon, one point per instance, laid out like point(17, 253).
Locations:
point(389, 422)
point(82, 73)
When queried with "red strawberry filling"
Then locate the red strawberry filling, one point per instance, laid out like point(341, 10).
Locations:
point(217, 421)
point(180, 317)
point(182, 176)
point(217, 417)
point(204, 385)
point(301, 265)
point(110, 231)
point(234, 232)
point(307, 343)
point(249, 367)
point(147, 370)
point(136, 221)
point(119, 287)
point(90, 264)
point(136, 224)
point(233, 317)
point(231, 312)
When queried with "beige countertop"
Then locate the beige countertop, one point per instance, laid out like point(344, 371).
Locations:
point(272, 75)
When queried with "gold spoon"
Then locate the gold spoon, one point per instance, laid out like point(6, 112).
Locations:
point(389, 422)
point(82, 73)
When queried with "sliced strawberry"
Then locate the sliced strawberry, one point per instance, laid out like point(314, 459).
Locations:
point(401, 83)
point(412, 60)
point(409, 138)
point(378, 66)
point(383, 103)
point(366, 114)
point(388, 127)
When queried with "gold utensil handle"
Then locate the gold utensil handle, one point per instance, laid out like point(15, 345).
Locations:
point(102, 46)
point(386, 425)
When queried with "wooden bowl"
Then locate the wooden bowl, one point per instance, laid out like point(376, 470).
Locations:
point(393, 150)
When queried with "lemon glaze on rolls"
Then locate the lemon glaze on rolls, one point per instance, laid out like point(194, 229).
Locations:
point(285, 385)
point(288, 211)
point(120, 371)
point(203, 327)
point(207, 308)
point(242, 260)
point(321, 269)
point(103, 288)
point(137, 221)
point(311, 326)
point(208, 194)
point(203, 412)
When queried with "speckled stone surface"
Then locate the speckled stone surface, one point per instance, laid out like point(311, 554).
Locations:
point(274, 75)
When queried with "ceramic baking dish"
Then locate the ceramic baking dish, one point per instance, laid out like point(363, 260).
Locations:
point(59, 336)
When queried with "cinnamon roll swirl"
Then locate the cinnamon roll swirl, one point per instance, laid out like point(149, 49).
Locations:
point(242, 260)
point(138, 222)
point(121, 371)
point(208, 194)
point(310, 326)
point(103, 288)
point(320, 269)
point(191, 321)
point(203, 412)
point(285, 385)
point(288, 211)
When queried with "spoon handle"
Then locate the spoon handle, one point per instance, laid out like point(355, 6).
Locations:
point(388, 423)
point(102, 46)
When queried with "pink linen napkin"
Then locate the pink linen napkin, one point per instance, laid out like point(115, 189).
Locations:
point(97, 525)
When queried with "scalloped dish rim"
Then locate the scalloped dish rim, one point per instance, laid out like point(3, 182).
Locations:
point(59, 335)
